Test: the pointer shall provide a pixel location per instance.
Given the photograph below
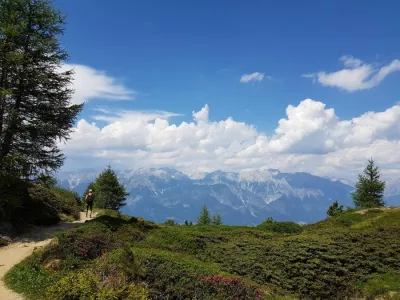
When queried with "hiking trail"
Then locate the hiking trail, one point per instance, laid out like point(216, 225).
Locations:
point(24, 245)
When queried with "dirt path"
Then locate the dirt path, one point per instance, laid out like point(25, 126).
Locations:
point(24, 246)
point(388, 208)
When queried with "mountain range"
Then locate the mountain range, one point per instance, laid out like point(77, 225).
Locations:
point(244, 198)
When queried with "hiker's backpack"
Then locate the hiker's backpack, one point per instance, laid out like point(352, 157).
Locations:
point(90, 198)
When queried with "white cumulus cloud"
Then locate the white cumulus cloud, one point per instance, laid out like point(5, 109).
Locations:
point(357, 75)
point(256, 76)
point(311, 138)
point(311, 128)
point(202, 115)
point(89, 84)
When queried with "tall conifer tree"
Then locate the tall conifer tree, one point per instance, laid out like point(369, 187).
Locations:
point(109, 193)
point(369, 188)
point(35, 96)
point(204, 218)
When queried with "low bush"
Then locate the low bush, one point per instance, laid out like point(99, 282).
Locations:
point(117, 215)
point(30, 278)
point(68, 202)
point(121, 259)
point(97, 237)
point(220, 287)
point(13, 193)
point(347, 219)
point(176, 276)
point(87, 285)
point(385, 286)
point(66, 218)
point(27, 203)
point(170, 222)
point(3, 242)
point(41, 208)
point(374, 211)
point(281, 227)
point(87, 247)
point(334, 259)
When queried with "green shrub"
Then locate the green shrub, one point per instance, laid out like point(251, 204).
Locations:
point(68, 202)
point(281, 227)
point(335, 210)
point(178, 239)
point(86, 285)
point(347, 219)
point(179, 276)
point(170, 222)
point(143, 224)
point(221, 287)
point(66, 218)
point(172, 276)
point(121, 218)
point(383, 285)
point(13, 193)
point(42, 207)
point(130, 233)
point(112, 213)
point(3, 242)
point(121, 259)
point(30, 278)
point(83, 246)
point(97, 237)
point(333, 259)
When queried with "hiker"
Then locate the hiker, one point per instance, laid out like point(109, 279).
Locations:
point(89, 202)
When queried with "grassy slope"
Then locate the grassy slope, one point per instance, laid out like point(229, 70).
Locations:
point(113, 257)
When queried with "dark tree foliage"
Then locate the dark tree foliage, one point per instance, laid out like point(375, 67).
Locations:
point(369, 188)
point(334, 210)
point(170, 222)
point(46, 180)
point(216, 219)
point(35, 98)
point(204, 218)
point(270, 220)
point(109, 193)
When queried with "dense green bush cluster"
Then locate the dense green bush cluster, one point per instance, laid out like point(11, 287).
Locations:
point(42, 207)
point(35, 203)
point(224, 288)
point(12, 194)
point(347, 256)
point(88, 247)
point(3, 242)
point(281, 227)
point(68, 202)
point(383, 284)
point(87, 285)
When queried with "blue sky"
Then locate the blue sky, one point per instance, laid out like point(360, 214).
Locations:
point(178, 56)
